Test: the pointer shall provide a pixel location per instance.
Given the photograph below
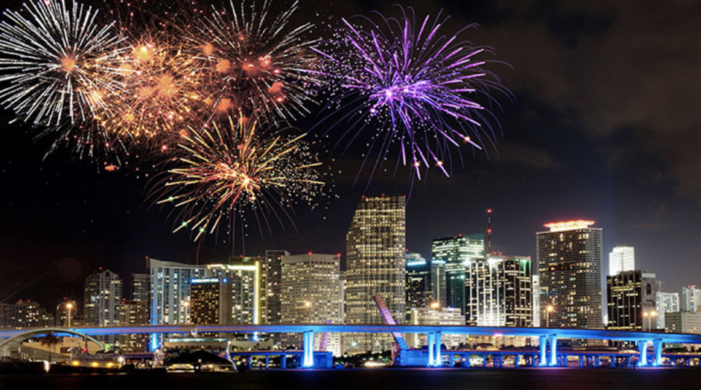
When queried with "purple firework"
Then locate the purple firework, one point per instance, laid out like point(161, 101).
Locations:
point(413, 84)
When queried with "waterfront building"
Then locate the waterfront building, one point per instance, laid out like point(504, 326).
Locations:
point(569, 265)
point(691, 298)
point(170, 288)
point(666, 303)
point(273, 270)
point(456, 252)
point(375, 247)
point(621, 259)
point(247, 282)
point(312, 293)
point(631, 301)
point(132, 313)
point(499, 291)
point(102, 297)
point(210, 301)
point(683, 322)
point(435, 316)
point(24, 315)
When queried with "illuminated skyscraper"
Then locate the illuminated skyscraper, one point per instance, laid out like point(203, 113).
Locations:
point(621, 259)
point(499, 291)
point(312, 292)
point(273, 271)
point(375, 247)
point(457, 252)
point(666, 303)
point(691, 298)
point(210, 301)
point(245, 279)
point(631, 294)
point(569, 266)
point(140, 287)
point(170, 288)
point(132, 313)
point(102, 297)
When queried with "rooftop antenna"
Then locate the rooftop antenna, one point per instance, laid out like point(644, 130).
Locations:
point(489, 232)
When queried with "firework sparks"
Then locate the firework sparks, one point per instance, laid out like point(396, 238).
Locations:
point(410, 82)
point(229, 172)
point(59, 64)
point(253, 63)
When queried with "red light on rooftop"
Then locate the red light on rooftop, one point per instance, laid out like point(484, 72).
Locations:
point(489, 211)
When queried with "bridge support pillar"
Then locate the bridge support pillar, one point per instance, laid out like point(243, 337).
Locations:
point(657, 345)
point(283, 361)
point(308, 357)
point(267, 362)
point(484, 360)
point(581, 361)
point(516, 361)
point(543, 348)
point(642, 347)
point(438, 359)
point(597, 361)
point(431, 340)
point(553, 349)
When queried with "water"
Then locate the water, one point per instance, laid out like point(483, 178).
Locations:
point(380, 379)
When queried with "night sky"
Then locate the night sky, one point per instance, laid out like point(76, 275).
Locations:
point(603, 125)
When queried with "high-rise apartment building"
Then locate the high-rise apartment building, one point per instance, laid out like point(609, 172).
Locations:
point(312, 293)
point(683, 322)
point(569, 265)
point(102, 297)
point(456, 252)
point(247, 282)
point(140, 287)
point(170, 288)
point(691, 298)
point(621, 259)
point(666, 303)
point(631, 301)
point(499, 291)
point(273, 271)
point(375, 247)
point(23, 315)
point(210, 301)
point(132, 313)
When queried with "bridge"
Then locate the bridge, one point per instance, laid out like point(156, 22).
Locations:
point(546, 336)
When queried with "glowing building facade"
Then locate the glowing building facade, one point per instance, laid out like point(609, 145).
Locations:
point(666, 303)
point(312, 293)
point(569, 265)
point(376, 264)
point(102, 297)
point(436, 316)
point(23, 315)
point(621, 259)
point(499, 291)
point(210, 301)
point(132, 313)
point(691, 298)
point(273, 271)
point(630, 299)
point(425, 282)
point(170, 288)
point(456, 252)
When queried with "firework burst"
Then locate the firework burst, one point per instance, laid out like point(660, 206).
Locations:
point(229, 172)
point(416, 86)
point(254, 63)
point(58, 62)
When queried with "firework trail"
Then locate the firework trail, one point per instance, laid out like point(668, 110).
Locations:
point(229, 172)
point(58, 62)
point(412, 84)
point(254, 62)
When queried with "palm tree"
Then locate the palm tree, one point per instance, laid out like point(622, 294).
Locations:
point(50, 340)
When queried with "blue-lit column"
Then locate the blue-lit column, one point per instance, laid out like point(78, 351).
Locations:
point(430, 339)
point(438, 360)
point(642, 347)
point(657, 345)
point(543, 348)
point(156, 342)
point(308, 344)
point(553, 349)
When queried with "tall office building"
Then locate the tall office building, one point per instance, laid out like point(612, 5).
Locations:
point(312, 292)
point(569, 266)
point(456, 252)
point(418, 282)
point(247, 282)
point(691, 298)
point(170, 288)
point(631, 301)
point(140, 287)
point(375, 247)
point(535, 291)
point(666, 303)
point(499, 291)
point(102, 297)
point(273, 270)
point(621, 259)
point(210, 301)
point(132, 313)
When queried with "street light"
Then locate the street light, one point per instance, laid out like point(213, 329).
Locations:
point(69, 307)
point(435, 305)
point(649, 315)
point(548, 310)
